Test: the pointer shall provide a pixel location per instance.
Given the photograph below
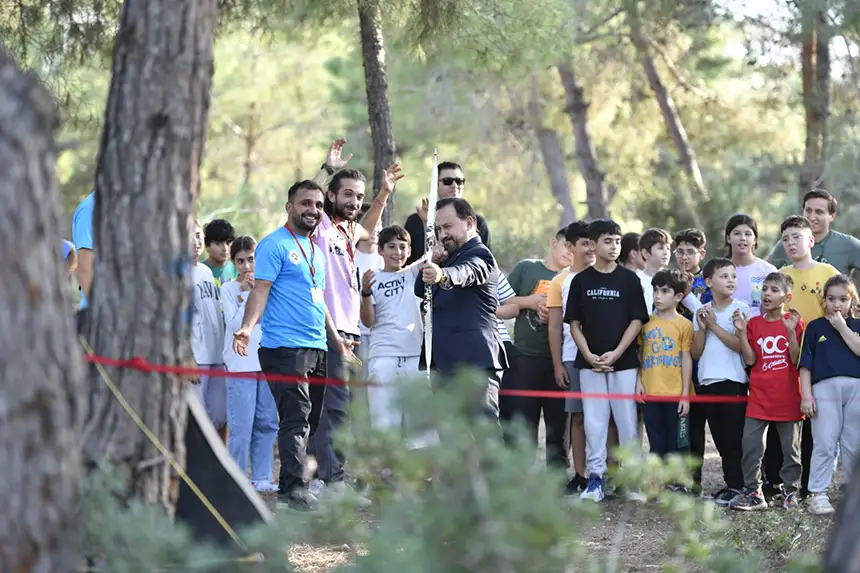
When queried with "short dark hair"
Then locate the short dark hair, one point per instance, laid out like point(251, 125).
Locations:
point(832, 203)
point(243, 243)
point(737, 221)
point(461, 207)
point(348, 173)
point(306, 184)
point(629, 243)
point(653, 237)
point(448, 165)
point(714, 265)
point(393, 233)
point(560, 233)
point(218, 231)
point(600, 227)
point(782, 280)
point(795, 221)
point(693, 237)
point(576, 231)
point(672, 278)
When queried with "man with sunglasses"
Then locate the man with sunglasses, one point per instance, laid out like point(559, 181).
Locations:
point(451, 183)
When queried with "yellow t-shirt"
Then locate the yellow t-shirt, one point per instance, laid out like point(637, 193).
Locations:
point(662, 342)
point(808, 289)
point(553, 296)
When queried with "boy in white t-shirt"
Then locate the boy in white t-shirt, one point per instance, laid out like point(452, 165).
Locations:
point(393, 313)
point(563, 348)
point(207, 336)
point(722, 372)
point(655, 248)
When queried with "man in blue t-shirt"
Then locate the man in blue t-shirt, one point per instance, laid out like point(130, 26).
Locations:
point(82, 237)
point(287, 299)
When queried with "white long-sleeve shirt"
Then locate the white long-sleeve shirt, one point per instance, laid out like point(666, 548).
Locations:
point(233, 300)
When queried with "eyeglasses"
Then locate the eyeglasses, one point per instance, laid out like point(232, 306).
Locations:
point(452, 180)
point(683, 253)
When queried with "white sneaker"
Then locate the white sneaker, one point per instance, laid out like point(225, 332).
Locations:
point(820, 505)
point(594, 489)
point(637, 496)
point(265, 486)
point(317, 486)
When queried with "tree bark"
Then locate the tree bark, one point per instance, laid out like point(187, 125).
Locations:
point(40, 370)
point(815, 69)
point(671, 117)
point(843, 552)
point(597, 194)
point(147, 179)
point(252, 134)
point(553, 158)
point(376, 85)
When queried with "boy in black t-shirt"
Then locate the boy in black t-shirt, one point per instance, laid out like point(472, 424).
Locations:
point(606, 310)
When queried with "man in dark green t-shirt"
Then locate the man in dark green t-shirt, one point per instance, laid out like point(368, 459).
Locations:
point(530, 280)
point(218, 235)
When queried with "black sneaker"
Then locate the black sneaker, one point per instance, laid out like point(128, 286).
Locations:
point(771, 492)
point(298, 500)
point(575, 486)
point(725, 496)
point(751, 501)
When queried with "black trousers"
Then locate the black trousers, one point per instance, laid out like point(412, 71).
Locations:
point(727, 428)
point(508, 380)
point(537, 373)
point(299, 406)
point(772, 463)
point(661, 423)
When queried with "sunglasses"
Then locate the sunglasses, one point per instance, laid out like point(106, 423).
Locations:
point(452, 180)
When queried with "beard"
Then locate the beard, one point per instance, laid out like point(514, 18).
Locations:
point(302, 224)
point(341, 212)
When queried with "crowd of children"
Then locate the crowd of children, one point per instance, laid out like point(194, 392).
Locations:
point(772, 348)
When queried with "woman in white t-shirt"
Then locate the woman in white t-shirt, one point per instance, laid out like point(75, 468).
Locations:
point(741, 244)
point(251, 413)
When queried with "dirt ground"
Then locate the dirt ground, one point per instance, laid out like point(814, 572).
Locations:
point(776, 535)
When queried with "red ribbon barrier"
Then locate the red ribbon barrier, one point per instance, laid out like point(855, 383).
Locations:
point(143, 365)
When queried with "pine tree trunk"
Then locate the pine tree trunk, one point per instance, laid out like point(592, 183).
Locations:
point(553, 157)
point(40, 369)
point(815, 69)
point(376, 84)
point(146, 181)
point(671, 117)
point(597, 194)
point(843, 551)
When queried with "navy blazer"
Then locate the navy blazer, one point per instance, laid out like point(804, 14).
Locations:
point(464, 315)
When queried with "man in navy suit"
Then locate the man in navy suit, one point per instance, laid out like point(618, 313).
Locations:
point(464, 300)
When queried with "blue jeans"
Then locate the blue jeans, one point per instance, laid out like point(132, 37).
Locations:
point(253, 421)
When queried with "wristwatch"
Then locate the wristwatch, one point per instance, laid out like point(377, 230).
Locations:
point(366, 294)
point(328, 169)
point(445, 282)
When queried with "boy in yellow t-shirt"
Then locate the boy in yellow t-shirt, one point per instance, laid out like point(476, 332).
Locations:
point(667, 366)
point(808, 275)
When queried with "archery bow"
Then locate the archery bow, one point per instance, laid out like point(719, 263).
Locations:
point(431, 241)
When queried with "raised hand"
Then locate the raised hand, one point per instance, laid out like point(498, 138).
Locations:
point(390, 177)
point(431, 273)
point(334, 158)
point(424, 209)
point(367, 282)
point(837, 320)
point(790, 319)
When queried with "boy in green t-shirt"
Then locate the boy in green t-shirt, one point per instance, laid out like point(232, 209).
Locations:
point(218, 235)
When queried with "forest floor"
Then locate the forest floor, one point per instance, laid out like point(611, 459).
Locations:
point(776, 535)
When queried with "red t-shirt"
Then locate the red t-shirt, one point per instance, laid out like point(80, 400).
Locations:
point(774, 380)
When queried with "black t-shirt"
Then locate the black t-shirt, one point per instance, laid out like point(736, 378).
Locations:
point(605, 304)
point(417, 233)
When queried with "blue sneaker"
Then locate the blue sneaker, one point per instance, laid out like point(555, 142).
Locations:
point(594, 489)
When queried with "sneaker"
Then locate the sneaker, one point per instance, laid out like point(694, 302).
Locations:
point(298, 500)
point(317, 486)
point(771, 492)
point(340, 490)
point(682, 489)
point(575, 486)
point(752, 500)
point(820, 504)
point(594, 489)
point(790, 500)
point(725, 496)
point(265, 486)
point(636, 496)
